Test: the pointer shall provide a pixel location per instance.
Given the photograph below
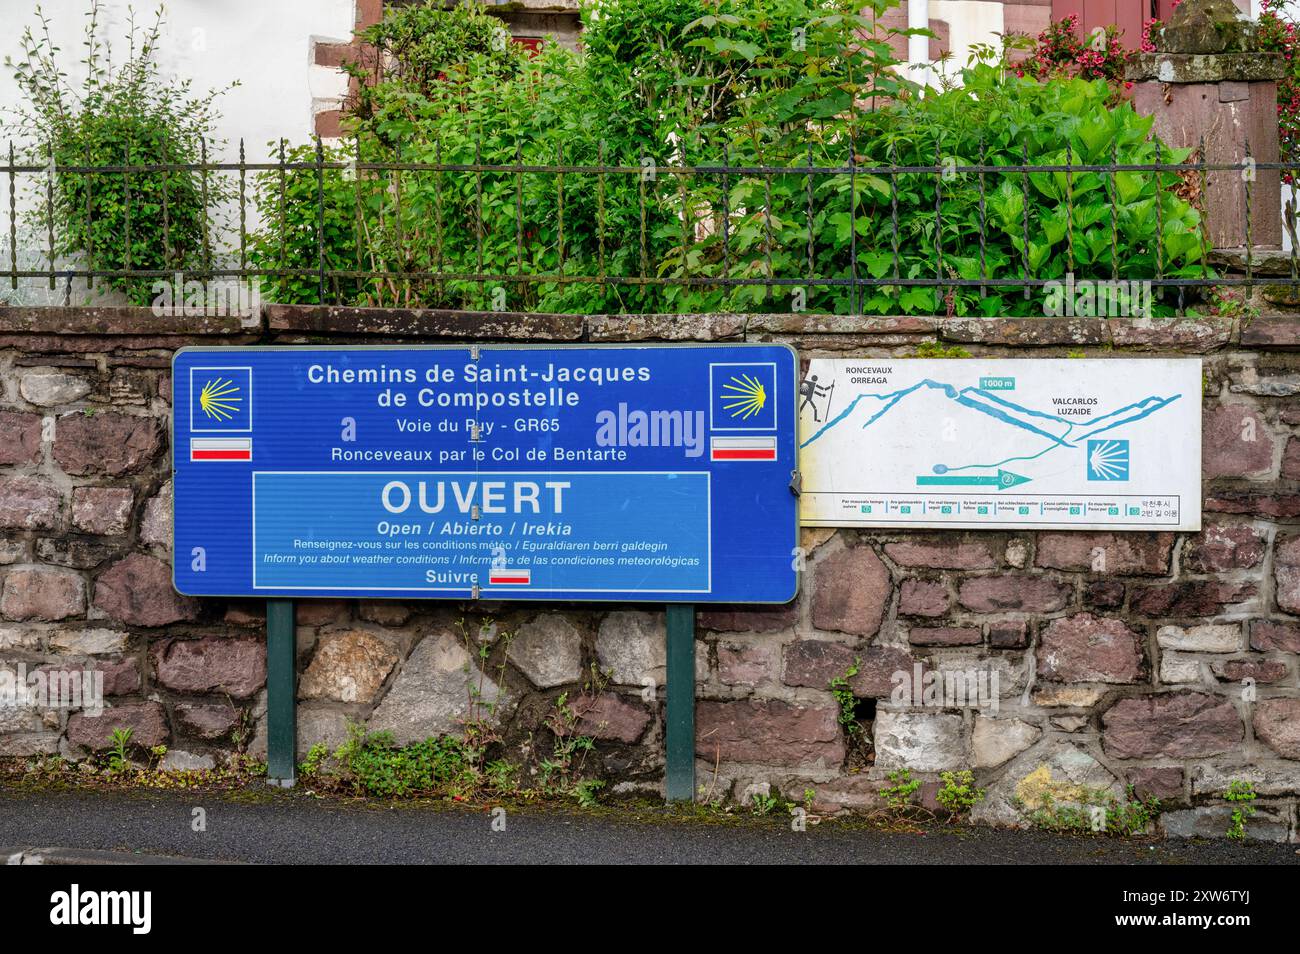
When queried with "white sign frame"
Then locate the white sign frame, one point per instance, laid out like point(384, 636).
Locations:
point(1001, 444)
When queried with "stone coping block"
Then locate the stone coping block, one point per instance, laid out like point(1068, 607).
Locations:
point(422, 323)
point(1205, 67)
point(112, 320)
point(77, 329)
point(1264, 261)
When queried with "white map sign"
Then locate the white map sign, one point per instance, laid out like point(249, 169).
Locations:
point(1086, 444)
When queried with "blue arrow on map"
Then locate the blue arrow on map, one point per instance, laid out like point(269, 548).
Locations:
point(1002, 480)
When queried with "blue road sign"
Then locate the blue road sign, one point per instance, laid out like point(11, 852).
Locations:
point(542, 473)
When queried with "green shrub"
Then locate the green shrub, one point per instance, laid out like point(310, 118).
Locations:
point(423, 45)
point(665, 84)
point(127, 114)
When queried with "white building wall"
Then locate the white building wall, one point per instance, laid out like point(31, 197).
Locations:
point(969, 22)
point(264, 44)
point(267, 45)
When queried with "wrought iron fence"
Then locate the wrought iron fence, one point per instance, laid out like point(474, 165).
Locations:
point(417, 229)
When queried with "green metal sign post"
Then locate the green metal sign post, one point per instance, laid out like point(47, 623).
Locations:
point(679, 772)
point(281, 694)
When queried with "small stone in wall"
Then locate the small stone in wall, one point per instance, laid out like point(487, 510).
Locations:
point(1013, 635)
point(923, 598)
point(27, 745)
point(944, 636)
point(1103, 594)
point(432, 694)
point(88, 642)
point(146, 720)
point(1260, 670)
point(20, 637)
point(20, 438)
point(1070, 723)
point(1179, 668)
point(1220, 547)
point(137, 590)
point(1211, 821)
point(920, 741)
point(1088, 648)
point(1124, 554)
point(1208, 638)
point(941, 553)
point(78, 553)
point(1064, 775)
point(609, 717)
point(1286, 574)
point(28, 503)
point(995, 741)
point(102, 510)
point(1235, 442)
point(745, 665)
point(1277, 725)
point(179, 760)
point(156, 525)
point(768, 732)
point(815, 662)
point(1291, 459)
point(384, 612)
point(321, 612)
point(47, 387)
point(236, 666)
point(1269, 636)
point(42, 593)
point(1190, 598)
point(208, 722)
point(105, 443)
point(1174, 725)
point(1163, 782)
point(121, 676)
point(851, 590)
point(246, 614)
point(633, 647)
point(548, 650)
point(748, 619)
point(1067, 697)
point(319, 726)
point(1000, 594)
point(349, 666)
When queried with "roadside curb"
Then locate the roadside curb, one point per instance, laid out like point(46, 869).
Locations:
point(85, 856)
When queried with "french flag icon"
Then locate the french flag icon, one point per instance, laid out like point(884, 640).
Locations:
point(221, 448)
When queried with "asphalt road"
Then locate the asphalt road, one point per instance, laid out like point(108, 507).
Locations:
point(296, 828)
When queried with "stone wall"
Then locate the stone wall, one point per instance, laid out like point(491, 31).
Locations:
point(1170, 662)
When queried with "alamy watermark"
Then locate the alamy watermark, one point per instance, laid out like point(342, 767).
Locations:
point(178, 298)
point(81, 689)
point(945, 689)
point(1087, 298)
